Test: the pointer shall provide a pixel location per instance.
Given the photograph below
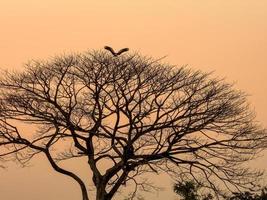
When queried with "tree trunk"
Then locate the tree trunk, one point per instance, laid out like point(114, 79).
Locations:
point(101, 194)
point(84, 192)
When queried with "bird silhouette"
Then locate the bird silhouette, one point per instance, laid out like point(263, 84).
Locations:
point(116, 53)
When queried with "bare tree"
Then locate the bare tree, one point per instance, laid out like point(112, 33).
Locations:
point(135, 113)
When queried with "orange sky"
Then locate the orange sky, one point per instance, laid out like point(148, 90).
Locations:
point(225, 36)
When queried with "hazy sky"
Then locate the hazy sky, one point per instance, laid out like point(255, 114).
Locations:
point(228, 37)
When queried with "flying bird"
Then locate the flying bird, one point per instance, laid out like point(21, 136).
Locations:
point(116, 53)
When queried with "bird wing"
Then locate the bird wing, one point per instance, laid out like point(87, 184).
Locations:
point(111, 50)
point(122, 50)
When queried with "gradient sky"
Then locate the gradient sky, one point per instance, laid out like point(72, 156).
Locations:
point(228, 37)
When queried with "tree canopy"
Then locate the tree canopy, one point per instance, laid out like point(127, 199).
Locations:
point(135, 113)
point(190, 190)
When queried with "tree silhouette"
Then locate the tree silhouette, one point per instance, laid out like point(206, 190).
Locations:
point(189, 190)
point(133, 112)
point(249, 196)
